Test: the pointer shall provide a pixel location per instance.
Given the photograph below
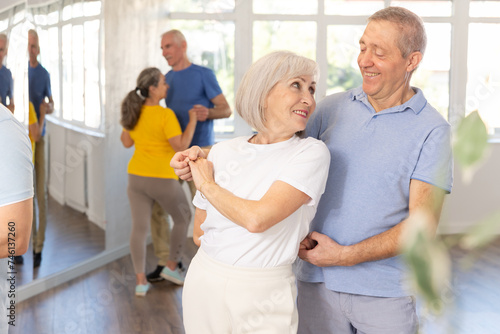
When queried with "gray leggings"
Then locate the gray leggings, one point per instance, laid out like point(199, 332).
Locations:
point(142, 192)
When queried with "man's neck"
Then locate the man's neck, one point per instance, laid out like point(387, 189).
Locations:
point(395, 100)
point(34, 63)
point(182, 65)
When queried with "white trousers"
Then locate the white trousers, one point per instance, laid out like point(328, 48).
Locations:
point(218, 298)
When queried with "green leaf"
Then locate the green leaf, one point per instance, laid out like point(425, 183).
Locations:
point(427, 259)
point(471, 140)
point(482, 233)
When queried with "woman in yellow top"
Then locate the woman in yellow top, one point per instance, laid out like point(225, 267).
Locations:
point(157, 135)
point(35, 125)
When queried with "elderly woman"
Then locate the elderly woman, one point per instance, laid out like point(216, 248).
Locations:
point(156, 135)
point(256, 197)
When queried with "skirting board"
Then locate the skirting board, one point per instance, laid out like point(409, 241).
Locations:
point(46, 283)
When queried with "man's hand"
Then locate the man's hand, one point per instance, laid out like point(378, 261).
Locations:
point(201, 112)
point(322, 251)
point(180, 162)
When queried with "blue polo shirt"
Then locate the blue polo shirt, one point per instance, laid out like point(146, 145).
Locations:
point(39, 88)
point(6, 85)
point(193, 85)
point(373, 158)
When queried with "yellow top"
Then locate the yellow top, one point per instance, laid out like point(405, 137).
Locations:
point(32, 119)
point(153, 152)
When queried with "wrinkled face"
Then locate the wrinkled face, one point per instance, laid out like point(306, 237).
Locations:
point(171, 50)
point(383, 68)
point(33, 47)
point(290, 104)
point(3, 50)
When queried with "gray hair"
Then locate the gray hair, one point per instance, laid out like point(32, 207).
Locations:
point(260, 79)
point(132, 103)
point(412, 35)
point(178, 36)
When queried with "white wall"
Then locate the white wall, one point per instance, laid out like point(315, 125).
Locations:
point(468, 203)
point(132, 42)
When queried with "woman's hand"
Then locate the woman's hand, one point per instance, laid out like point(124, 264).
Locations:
point(202, 172)
point(180, 162)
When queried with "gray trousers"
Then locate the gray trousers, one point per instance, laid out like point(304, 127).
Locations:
point(142, 192)
point(329, 312)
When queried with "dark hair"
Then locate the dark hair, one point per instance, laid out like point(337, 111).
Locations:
point(132, 103)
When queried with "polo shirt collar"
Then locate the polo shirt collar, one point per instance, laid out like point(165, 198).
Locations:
point(416, 103)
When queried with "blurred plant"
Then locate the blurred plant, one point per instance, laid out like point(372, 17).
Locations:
point(427, 255)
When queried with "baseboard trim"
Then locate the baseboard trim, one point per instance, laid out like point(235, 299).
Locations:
point(46, 283)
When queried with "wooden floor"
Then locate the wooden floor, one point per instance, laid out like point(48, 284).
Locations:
point(69, 238)
point(103, 301)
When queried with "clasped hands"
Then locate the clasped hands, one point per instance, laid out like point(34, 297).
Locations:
point(191, 165)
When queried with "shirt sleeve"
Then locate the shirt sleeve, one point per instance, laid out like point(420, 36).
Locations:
point(307, 171)
point(211, 85)
point(172, 126)
point(435, 163)
point(16, 169)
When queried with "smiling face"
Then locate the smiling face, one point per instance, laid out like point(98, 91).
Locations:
point(385, 72)
point(173, 50)
point(289, 105)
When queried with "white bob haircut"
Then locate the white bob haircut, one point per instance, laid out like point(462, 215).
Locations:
point(261, 78)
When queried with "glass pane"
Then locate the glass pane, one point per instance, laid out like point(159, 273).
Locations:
point(432, 75)
point(40, 16)
point(77, 74)
point(202, 6)
point(92, 100)
point(484, 8)
point(285, 7)
point(17, 61)
point(299, 37)
point(53, 15)
point(18, 16)
point(342, 53)
point(211, 44)
point(67, 10)
point(426, 8)
point(4, 24)
point(483, 83)
point(352, 7)
point(91, 7)
point(77, 9)
point(66, 92)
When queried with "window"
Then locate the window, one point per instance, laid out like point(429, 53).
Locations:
point(329, 30)
point(73, 60)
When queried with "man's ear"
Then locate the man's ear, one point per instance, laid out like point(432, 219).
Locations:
point(413, 60)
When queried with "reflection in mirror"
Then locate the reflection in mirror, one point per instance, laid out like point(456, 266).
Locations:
point(75, 214)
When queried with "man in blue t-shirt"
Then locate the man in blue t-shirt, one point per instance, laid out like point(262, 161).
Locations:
point(390, 157)
point(6, 82)
point(190, 87)
point(40, 94)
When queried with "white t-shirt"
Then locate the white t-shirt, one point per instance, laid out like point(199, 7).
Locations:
point(248, 171)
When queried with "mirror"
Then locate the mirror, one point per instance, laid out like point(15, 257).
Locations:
point(75, 228)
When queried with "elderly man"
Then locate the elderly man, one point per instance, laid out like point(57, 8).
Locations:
point(40, 93)
point(190, 87)
point(391, 156)
point(6, 82)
